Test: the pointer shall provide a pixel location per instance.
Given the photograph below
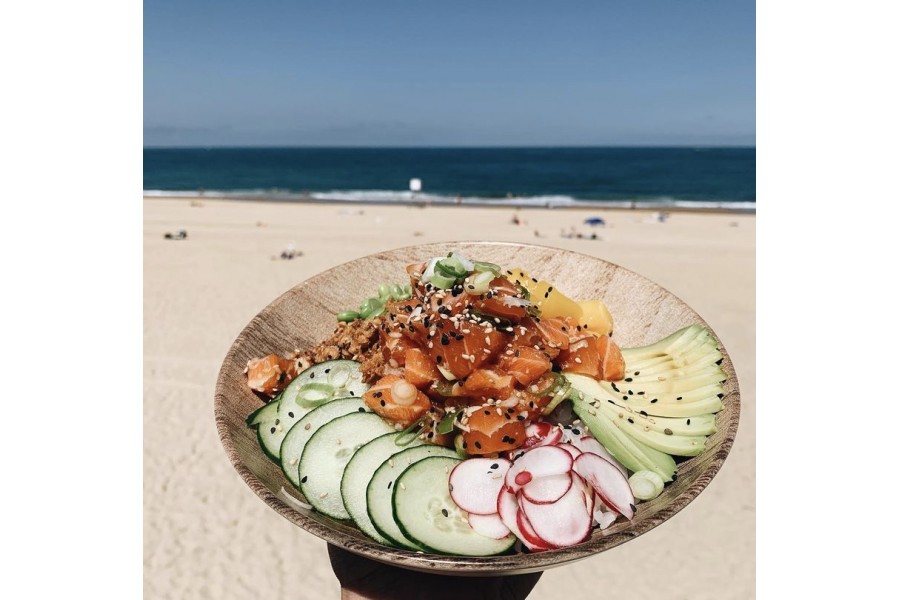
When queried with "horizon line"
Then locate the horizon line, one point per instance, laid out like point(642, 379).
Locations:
point(448, 147)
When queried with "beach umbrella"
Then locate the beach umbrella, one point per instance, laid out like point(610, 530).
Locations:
point(594, 221)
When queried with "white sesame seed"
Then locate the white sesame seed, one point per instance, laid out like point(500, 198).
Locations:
point(390, 462)
point(577, 360)
point(293, 462)
point(323, 494)
point(402, 487)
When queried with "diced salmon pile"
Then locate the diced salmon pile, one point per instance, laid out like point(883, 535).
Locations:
point(487, 358)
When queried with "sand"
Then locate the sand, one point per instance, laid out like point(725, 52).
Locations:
point(206, 535)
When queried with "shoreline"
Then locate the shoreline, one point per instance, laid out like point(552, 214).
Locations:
point(424, 200)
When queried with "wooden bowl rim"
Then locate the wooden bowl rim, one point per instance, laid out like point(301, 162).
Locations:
point(464, 565)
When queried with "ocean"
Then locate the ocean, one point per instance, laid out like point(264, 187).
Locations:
point(677, 177)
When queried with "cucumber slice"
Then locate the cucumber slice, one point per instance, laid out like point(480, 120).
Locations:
point(379, 493)
point(269, 429)
point(307, 389)
point(313, 387)
point(427, 514)
point(295, 441)
point(359, 473)
point(264, 412)
point(326, 455)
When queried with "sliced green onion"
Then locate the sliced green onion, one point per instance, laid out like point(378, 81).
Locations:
point(450, 267)
point(444, 388)
point(486, 266)
point(558, 381)
point(313, 394)
point(561, 394)
point(447, 423)
point(447, 373)
point(408, 435)
point(347, 316)
point(441, 282)
point(339, 376)
point(479, 283)
point(458, 445)
point(646, 485)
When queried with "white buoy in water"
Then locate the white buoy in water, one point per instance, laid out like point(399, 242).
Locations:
point(415, 185)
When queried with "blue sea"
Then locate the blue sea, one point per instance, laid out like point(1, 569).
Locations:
point(677, 177)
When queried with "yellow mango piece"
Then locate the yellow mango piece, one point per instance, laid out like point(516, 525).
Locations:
point(522, 277)
point(596, 316)
point(554, 303)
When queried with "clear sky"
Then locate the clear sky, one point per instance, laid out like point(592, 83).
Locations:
point(413, 73)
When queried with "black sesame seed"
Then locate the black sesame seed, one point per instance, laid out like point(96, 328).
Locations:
point(674, 476)
point(719, 362)
point(444, 339)
point(361, 409)
point(311, 375)
point(549, 289)
point(630, 393)
point(615, 387)
point(487, 412)
point(576, 432)
point(679, 397)
point(438, 359)
point(630, 420)
point(291, 414)
point(611, 402)
point(628, 380)
point(390, 483)
point(444, 512)
point(495, 466)
point(624, 397)
point(478, 445)
point(465, 445)
point(636, 373)
point(303, 480)
point(633, 507)
point(641, 393)
point(430, 434)
point(667, 431)
point(378, 394)
point(644, 412)
point(327, 371)
point(688, 421)
point(459, 337)
point(720, 396)
point(654, 401)
point(272, 430)
point(382, 403)
point(352, 393)
point(521, 417)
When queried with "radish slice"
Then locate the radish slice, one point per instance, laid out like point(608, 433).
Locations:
point(489, 526)
point(589, 444)
point(508, 510)
point(528, 532)
point(547, 490)
point(476, 482)
point(542, 434)
point(570, 449)
point(563, 523)
point(539, 462)
point(607, 481)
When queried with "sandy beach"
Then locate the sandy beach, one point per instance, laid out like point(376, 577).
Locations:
point(207, 535)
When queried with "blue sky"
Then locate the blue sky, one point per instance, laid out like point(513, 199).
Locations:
point(426, 73)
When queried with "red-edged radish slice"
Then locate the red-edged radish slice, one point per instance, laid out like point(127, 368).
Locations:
point(547, 490)
point(508, 511)
point(566, 522)
point(476, 482)
point(607, 481)
point(540, 462)
point(542, 434)
point(587, 493)
point(570, 449)
point(489, 526)
point(589, 444)
point(528, 532)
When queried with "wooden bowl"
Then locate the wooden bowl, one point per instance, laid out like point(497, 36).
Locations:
point(304, 315)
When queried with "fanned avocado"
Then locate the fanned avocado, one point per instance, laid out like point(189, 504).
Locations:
point(664, 406)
